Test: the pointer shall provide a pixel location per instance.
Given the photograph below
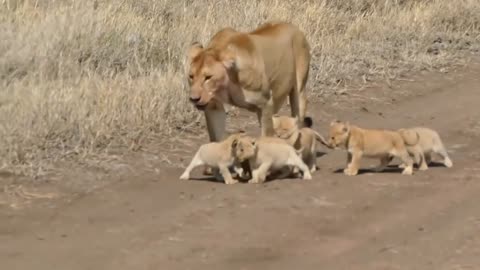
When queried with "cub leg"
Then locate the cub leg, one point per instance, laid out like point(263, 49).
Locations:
point(384, 161)
point(260, 174)
point(446, 159)
point(353, 166)
point(196, 161)
point(407, 160)
point(296, 161)
point(226, 174)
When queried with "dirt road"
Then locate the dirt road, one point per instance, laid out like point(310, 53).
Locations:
point(372, 221)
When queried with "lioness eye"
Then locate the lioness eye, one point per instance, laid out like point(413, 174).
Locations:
point(208, 77)
point(190, 76)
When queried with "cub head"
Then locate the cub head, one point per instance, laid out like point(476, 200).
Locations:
point(207, 71)
point(339, 132)
point(285, 126)
point(244, 148)
point(410, 137)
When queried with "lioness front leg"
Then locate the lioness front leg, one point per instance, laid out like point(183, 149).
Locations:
point(265, 117)
point(215, 118)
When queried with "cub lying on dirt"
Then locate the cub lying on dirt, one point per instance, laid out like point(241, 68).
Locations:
point(216, 155)
point(427, 141)
point(371, 143)
point(267, 154)
point(286, 128)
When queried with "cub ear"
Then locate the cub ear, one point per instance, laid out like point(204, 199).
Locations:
point(194, 50)
point(334, 121)
point(234, 143)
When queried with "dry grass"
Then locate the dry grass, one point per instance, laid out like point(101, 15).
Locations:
point(80, 77)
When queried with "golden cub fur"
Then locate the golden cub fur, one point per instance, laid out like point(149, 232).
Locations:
point(218, 155)
point(267, 154)
point(428, 142)
point(305, 138)
point(371, 143)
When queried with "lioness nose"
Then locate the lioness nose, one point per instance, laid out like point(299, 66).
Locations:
point(194, 99)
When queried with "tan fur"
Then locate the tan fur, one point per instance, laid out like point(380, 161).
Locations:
point(255, 70)
point(370, 143)
point(268, 154)
point(286, 128)
point(218, 155)
point(428, 142)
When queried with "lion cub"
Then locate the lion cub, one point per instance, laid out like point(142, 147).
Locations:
point(371, 143)
point(286, 128)
point(428, 142)
point(266, 154)
point(216, 155)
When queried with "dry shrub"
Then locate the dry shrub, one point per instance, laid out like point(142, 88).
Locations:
point(79, 77)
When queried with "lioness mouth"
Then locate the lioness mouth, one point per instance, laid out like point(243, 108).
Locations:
point(201, 106)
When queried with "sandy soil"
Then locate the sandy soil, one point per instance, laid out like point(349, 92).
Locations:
point(430, 220)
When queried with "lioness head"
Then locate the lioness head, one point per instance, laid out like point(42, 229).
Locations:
point(339, 132)
point(244, 148)
point(207, 74)
point(285, 126)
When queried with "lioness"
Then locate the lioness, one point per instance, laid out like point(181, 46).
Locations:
point(286, 128)
point(255, 71)
point(218, 155)
point(371, 143)
point(428, 142)
point(267, 154)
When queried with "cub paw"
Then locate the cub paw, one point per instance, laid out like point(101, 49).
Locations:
point(350, 172)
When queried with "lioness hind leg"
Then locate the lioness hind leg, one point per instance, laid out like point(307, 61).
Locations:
point(294, 103)
point(302, 64)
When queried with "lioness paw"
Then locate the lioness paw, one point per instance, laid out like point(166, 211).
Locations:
point(184, 176)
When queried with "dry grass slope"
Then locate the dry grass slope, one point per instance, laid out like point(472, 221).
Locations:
point(80, 77)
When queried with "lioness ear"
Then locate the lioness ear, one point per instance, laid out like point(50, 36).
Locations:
point(346, 127)
point(195, 49)
point(228, 58)
point(253, 142)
